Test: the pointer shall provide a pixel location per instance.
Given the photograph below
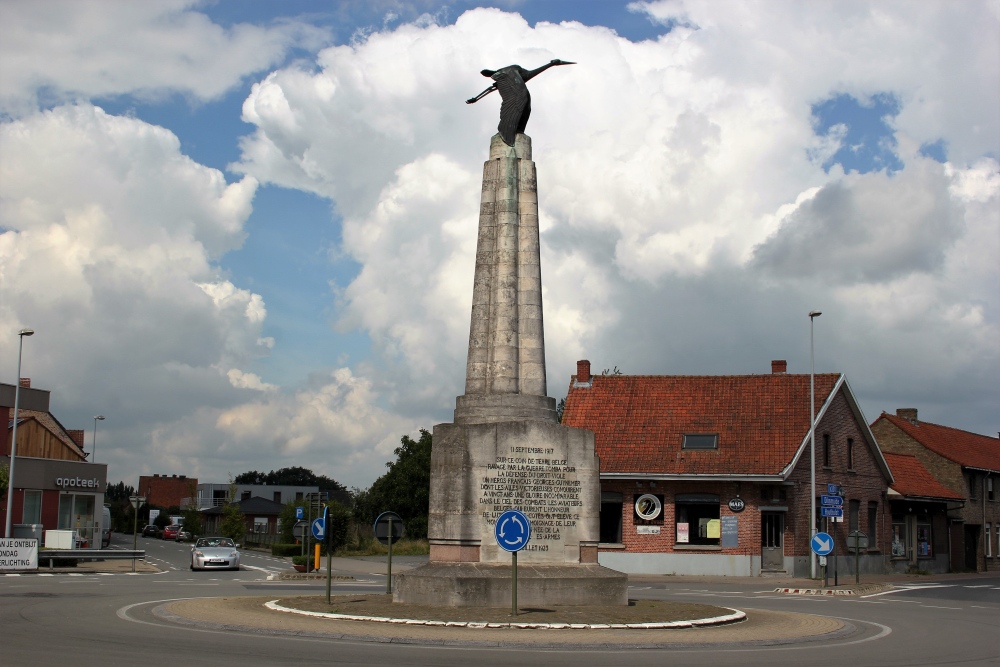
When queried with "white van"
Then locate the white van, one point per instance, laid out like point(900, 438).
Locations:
point(106, 528)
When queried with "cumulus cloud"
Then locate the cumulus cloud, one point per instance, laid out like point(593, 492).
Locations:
point(61, 50)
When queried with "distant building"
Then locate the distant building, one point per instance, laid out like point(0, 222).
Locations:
point(968, 464)
point(261, 516)
point(217, 495)
point(166, 491)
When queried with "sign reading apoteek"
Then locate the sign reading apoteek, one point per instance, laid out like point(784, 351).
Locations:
point(18, 554)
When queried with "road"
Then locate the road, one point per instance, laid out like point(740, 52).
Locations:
point(55, 619)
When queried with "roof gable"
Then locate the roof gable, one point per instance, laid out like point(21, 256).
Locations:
point(48, 422)
point(639, 421)
point(967, 449)
point(911, 478)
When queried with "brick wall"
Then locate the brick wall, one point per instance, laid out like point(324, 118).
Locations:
point(167, 491)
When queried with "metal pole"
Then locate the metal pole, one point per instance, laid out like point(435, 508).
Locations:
point(513, 582)
point(857, 559)
point(812, 444)
point(388, 576)
point(13, 438)
point(97, 418)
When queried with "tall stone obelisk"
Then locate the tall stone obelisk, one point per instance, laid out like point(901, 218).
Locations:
point(506, 449)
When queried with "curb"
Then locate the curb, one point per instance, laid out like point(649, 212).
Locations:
point(701, 622)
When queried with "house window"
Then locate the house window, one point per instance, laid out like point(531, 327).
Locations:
point(854, 507)
point(277, 496)
point(826, 450)
point(850, 454)
point(245, 495)
point(899, 541)
point(611, 517)
point(32, 507)
point(260, 524)
point(872, 526)
point(298, 495)
point(989, 540)
point(701, 441)
point(989, 489)
point(972, 486)
point(697, 517)
point(925, 547)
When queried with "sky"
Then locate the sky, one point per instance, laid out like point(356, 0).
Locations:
point(244, 232)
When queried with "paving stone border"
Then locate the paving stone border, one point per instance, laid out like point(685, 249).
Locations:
point(864, 589)
point(735, 616)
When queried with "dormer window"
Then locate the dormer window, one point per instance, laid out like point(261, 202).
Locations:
point(701, 441)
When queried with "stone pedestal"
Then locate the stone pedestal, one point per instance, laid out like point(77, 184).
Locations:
point(505, 449)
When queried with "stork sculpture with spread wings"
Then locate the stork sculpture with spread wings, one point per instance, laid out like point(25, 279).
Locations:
point(516, 105)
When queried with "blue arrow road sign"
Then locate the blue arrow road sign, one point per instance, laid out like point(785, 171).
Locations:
point(832, 511)
point(512, 530)
point(821, 544)
point(318, 528)
point(832, 501)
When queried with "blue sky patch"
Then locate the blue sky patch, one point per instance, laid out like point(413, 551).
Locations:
point(867, 143)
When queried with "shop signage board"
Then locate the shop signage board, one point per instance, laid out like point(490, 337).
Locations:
point(730, 532)
point(737, 505)
point(18, 554)
point(647, 530)
point(300, 512)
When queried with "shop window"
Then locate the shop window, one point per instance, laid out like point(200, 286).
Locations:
point(925, 547)
point(826, 450)
point(697, 521)
point(32, 507)
point(872, 526)
point(899, 541)
point(850, 454)
point(701, 441)
point(611, 517)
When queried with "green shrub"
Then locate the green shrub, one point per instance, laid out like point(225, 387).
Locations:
point(283, 550)
point(302, 560)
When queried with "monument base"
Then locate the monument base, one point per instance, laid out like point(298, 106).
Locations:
point(488, 585)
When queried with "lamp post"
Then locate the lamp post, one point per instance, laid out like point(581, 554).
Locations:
point(97, 418)
point(137, 502)
point(813, 314)
point(13, 438)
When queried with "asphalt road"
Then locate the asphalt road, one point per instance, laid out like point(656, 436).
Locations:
point(107, 620)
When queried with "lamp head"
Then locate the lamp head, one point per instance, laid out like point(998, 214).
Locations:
point(26, 332)
point(814, 313)
point(99, 417)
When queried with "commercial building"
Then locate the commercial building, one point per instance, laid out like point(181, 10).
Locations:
point(968, 465)
point(166, 490)
point(711, 474)
point(55, 488)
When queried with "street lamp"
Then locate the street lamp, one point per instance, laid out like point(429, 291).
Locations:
point(813, 314)
point(97, 418)
point(13, 438)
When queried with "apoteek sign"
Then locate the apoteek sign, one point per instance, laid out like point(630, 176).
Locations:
point(69, 482)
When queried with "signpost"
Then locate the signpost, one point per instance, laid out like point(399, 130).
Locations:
point(857, 541)
point(821, 544)
point(137, 502)
point(388, 530)
point(512, 531)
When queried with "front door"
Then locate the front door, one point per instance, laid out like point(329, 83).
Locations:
point(971, 548)
point(772, 544)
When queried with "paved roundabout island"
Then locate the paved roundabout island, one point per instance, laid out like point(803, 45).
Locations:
point(375, 618)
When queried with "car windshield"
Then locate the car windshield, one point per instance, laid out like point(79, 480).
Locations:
point(215, 542)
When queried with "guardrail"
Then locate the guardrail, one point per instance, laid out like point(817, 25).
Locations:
point(89, 554)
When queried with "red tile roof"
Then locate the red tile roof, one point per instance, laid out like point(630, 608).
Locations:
point(913, 479)
point(49, 422)
point(640, 420)
point(967, 449)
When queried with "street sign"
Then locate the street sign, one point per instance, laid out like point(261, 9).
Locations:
point(835, 489)
point(388, 523)
point(821, 544)
point(831, 501)
point(300, 512)
point(318, 528)
point(857, 541)
point(512, 530)
point(299, 529)
point(832, 511)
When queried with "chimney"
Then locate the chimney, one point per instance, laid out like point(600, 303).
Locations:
point(26, 383)
point(76, 436)
point(909, 414)
point(583, 371)
point(779, 366)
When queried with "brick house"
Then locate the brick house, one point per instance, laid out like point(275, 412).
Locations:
point(711, 474)
point(918, 508)
point(968, 464)
point(165, 491)
point(260, 514)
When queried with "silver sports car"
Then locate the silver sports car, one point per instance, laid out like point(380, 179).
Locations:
point(214, 552)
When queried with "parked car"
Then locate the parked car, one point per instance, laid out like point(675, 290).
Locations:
point(183, 535)
point(214, 553)
point(170, 532)
point(151, 531)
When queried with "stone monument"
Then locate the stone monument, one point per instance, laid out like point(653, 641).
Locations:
point(506, 449)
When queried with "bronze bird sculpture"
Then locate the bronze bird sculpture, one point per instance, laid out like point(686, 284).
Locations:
point(516, 105)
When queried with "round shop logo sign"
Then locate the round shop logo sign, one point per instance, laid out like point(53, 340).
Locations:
point(737, 505)
point(648, 507)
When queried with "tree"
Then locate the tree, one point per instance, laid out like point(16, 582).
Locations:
point(560, 409)
point(234, 523)
point(4, 479)
point(337, 525)
point(192, 520)
point(403, 489)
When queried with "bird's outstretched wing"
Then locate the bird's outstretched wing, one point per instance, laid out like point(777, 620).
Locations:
point(515, 98)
